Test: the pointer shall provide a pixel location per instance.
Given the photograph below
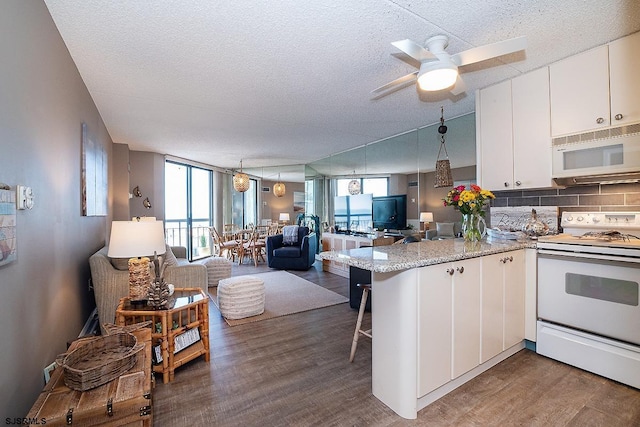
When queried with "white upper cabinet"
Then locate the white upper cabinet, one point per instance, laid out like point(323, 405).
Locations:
point(531, 130)
point(596, 89)
point(495, 137)
point(580, 93)
point(514, 142)
point(624, 76)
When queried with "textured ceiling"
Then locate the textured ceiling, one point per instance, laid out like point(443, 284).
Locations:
point(288, 82)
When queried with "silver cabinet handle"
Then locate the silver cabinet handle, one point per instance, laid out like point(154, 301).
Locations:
point(618, 117)
point(510, 259)
point(460, 269)
point(503, 260)
point(450, 271)
point(599, 120)
point(518, 183)
point(506, 184)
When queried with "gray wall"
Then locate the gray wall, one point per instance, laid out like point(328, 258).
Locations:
point(147, 172)
point(44, 296)
point(272, 206)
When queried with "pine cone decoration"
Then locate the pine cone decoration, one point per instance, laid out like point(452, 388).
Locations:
point(158, 293)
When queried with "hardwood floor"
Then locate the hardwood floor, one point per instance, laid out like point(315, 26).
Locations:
point(294, 371)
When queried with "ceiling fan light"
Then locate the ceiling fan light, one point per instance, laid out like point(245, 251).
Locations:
point(437, 76)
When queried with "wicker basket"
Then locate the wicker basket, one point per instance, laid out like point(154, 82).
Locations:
point(100, 360)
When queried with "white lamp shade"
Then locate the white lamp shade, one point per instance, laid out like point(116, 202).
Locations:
point(426, 217)
point(131, 239)
point(144, 218)
point(284, 217)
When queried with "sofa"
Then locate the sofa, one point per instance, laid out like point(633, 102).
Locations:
point(299, 256)
point(110, 278)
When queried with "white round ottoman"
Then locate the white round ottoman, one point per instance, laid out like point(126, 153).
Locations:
point(240, 297)
point(217, 268)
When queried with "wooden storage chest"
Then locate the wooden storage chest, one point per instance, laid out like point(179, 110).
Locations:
point(125, 401)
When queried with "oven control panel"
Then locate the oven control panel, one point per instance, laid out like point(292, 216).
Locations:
point(601, 220)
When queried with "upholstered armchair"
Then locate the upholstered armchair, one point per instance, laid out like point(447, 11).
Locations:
point(298, 256)
point(110, 278)
point(444, 230)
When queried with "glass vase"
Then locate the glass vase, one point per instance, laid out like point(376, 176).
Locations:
point(474, 228)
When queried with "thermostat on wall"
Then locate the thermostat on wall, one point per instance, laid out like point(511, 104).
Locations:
point(24, 197)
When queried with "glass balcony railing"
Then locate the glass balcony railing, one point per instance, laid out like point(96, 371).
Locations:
point(198, 242)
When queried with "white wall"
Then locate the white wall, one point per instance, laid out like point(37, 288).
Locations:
point(44, 296)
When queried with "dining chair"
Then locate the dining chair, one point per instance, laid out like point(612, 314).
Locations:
point(223, 247)
point(254, 248)
point(243, 238)
point(229, 231)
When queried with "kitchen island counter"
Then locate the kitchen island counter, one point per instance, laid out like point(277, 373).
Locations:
point(385, 259)
point(442, 312)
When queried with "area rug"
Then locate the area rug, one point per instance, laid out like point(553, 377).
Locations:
point(286, 293)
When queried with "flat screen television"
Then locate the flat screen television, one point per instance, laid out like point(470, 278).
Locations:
point(390, 212)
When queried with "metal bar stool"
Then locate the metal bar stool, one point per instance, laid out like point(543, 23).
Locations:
point(366, 288)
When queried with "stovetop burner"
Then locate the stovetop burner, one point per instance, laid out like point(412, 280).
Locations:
point(606, 233)
point(608, 236)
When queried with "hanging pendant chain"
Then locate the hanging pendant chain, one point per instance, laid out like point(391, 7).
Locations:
point(442, 135)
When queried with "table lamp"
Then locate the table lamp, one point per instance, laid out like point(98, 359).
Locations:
point(426, 217)
point(137, 240)
point(284, 217)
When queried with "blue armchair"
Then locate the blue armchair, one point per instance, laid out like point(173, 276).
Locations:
point(300, 256)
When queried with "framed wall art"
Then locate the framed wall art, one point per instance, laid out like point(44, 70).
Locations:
point(298, 201)
point(8, 241)
point(94, 175)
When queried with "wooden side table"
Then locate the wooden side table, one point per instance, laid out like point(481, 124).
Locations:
point(185, 319)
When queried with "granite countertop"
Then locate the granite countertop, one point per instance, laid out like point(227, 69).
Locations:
point(384, 259)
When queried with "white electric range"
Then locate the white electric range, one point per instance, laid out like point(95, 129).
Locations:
point(588, 294)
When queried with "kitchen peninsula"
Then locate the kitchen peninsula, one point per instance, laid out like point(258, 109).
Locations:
point(442, 313)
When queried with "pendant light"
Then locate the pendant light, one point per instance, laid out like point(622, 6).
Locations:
point(279, 188)
point(241, 181)
point(443, 167)
point(354, 185)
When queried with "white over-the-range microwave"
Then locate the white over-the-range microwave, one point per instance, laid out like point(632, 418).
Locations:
point(598, 157)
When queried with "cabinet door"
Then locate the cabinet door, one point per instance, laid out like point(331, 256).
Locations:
point(434, 328)
point(624, 69)
point(531, 130)
point(579, 88)
point(514, 290)
point(492, 306)
point(466, 317)
point(495, 154)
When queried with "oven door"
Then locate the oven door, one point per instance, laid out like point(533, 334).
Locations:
point(593, 293)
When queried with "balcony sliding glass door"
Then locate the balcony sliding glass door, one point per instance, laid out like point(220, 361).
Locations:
point(188, 208)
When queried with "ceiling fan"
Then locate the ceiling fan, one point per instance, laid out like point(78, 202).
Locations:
point(438, 69)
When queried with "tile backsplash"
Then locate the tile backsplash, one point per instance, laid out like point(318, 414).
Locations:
point(603, 198)
point(609, 197)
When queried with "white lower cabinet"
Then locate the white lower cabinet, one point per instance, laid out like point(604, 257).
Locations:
point(448, 322)
point(469, 312)
point(341, 242)
point(503, 302)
